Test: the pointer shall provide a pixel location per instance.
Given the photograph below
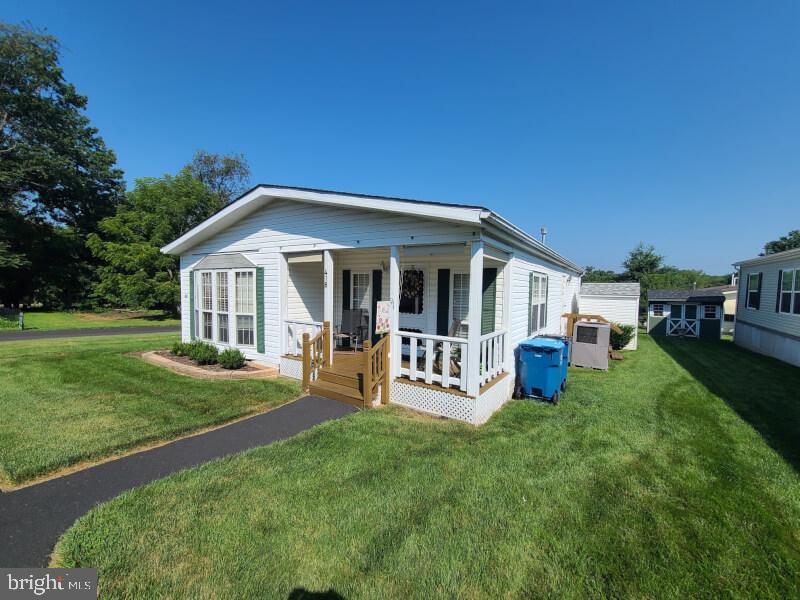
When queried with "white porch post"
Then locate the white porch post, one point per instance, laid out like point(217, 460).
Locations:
point(327, 301)
point(283, 299)
point(508, 359)
point(474, 318)
point(395, 350)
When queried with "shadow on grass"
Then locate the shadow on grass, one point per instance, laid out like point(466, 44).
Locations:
point(304, 594)
point(763, 391)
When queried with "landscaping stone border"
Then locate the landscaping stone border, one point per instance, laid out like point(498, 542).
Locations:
point(260, 372)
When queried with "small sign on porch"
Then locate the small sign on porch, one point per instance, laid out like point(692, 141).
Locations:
point(383, 313)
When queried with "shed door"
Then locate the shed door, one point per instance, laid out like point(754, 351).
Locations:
point(683, 320)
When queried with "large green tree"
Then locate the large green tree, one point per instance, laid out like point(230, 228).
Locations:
point(790, 241)
point(642, 261)
point(227, 175)
point(158, 210)
point(57, 177)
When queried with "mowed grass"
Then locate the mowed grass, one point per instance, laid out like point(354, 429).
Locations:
point(643, 483)
point(69, 400)
point(55, 320)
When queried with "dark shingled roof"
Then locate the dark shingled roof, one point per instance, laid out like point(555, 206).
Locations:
point(707, 296)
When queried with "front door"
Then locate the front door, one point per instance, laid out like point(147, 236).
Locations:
point(683, 320)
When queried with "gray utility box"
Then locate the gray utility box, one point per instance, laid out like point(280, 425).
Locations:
point(590, 345)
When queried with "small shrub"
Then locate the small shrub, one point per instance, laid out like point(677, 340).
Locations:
point(620, 340)
point(203, 354)
point(231, 358)
point(180, 349)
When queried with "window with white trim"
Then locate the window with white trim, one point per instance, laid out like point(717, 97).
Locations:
point(537, 311)
point(709, 311)
point(245, 308)
point(226, 299)
point(790, 292)
point(753, 291)
point(658, 310)
point(360, 289)
point(459, 308)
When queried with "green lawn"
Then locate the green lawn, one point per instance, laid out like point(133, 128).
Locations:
point(650, 481)
point(68, 400)
point(53, 320)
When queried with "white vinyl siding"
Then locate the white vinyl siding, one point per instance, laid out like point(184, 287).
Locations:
point(768, 317)
point(617, 309)
point(305, 292)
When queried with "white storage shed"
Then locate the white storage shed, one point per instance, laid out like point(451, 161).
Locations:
point(616, 302)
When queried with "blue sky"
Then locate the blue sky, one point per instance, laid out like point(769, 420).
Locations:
point(675, 123)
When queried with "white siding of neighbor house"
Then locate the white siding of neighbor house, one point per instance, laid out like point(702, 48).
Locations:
point(766, 315)
point(305, 292)
point(618, 309)
point(288, 226)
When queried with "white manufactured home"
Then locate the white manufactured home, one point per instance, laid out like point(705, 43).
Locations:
point(297, 278)
point(768, 308)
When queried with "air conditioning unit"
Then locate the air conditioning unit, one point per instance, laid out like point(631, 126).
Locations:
point(590, 343)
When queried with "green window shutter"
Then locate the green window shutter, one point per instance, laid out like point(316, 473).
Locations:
point(530, 303)
point(346, 289)
point(489, 301)
point(443, 303)
point(191, 305)
point(260, 310)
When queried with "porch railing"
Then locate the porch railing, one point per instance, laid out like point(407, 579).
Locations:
point(376, 371)
point(492, 355)
point(444, 358)
point(316, 354)
point(294, 334)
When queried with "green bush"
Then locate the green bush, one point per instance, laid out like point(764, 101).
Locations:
point(620, 340)
point(231, 359)
point(203, 353)
point(181, 349)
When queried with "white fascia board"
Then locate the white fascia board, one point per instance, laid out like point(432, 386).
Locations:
point(262, 195)
point(777, 257)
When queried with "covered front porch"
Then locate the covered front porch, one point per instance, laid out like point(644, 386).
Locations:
point(447, 342)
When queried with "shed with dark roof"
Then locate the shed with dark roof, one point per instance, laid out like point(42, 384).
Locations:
point(685, 312)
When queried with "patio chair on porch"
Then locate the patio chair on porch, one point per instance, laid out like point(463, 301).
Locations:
point(455, 356)
point(353, 329)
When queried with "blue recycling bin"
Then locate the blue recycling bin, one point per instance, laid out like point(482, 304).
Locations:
point(542, 368)
point(565, 354)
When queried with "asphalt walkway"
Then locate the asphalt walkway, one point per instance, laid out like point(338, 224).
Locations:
point(33, 518)
point(33, 334)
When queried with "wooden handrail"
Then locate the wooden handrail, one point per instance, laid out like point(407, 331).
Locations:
point(316, 353)
point(376, 370)
point(573, 317)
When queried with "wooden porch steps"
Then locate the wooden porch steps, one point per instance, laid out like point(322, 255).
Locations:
point(337, 387)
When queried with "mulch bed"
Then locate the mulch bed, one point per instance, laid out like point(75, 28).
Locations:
point(185, 360)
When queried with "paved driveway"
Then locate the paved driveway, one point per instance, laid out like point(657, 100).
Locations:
point(33, 334)
point(33, 518)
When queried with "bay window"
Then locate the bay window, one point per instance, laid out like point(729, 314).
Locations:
point(226, 298)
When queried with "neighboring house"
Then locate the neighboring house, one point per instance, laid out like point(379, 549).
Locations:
point(685, 313)
point(768, 311)
point(465, 287)
point(616, 302)
point(729, 306)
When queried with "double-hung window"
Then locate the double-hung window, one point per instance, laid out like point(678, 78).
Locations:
point(537, 309)
point(754, 291)
point(226, 311)
point(460, 307)
point(360, 289)
point(245, 308)
point(789, 290)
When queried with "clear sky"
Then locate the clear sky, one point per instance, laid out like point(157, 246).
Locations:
point(675, 123)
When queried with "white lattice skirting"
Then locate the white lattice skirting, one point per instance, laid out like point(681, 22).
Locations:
point(291, 368)
point(493, 399)
point(435, 402)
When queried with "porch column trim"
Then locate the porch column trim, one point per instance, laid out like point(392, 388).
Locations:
point(327, 292)
point(395, 350)
point(474, 318)
point(283, 300)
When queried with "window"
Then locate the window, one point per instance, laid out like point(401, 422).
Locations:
point(709, 311)
point(460, 311)
point(360, 287)
point(537, 310)
point(223, 334)
point(245, 308)
point(226, 299)
point(412, 292)
point(789, 299)
point(658, 310)
point(206, 306)
point(729, 318)
point(754, 290)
